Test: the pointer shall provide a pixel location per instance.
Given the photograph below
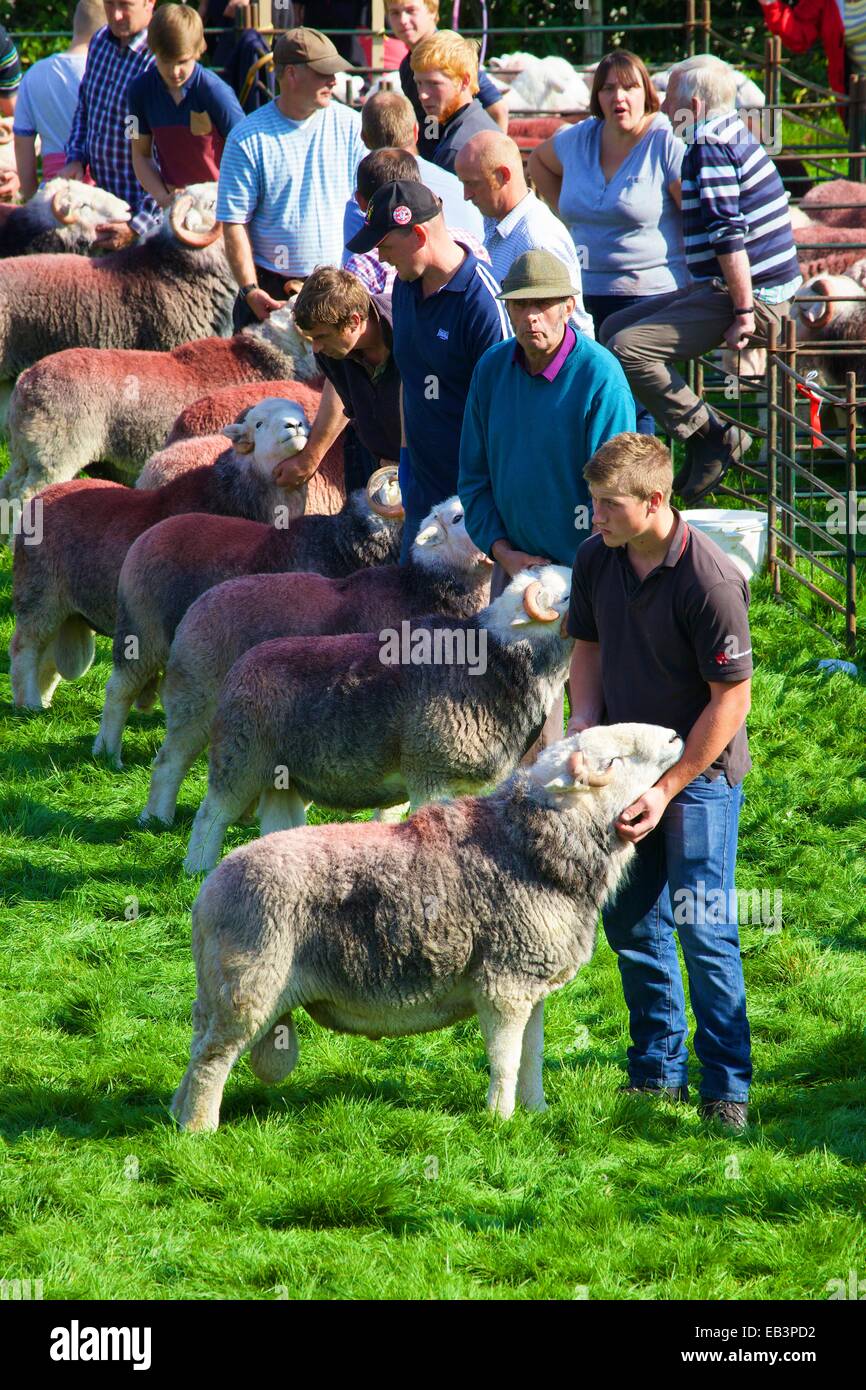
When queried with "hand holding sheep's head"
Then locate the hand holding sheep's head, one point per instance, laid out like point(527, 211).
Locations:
point(272, 430)
point(627, 759)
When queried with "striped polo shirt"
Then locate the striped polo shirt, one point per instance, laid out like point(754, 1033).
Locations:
point(289, 182)
point(734, 200)
point(10, 67)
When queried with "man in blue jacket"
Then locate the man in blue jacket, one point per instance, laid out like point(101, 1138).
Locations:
point(446, 313)
point(537, 410)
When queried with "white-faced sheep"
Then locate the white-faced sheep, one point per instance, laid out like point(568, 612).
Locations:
point(529, 83)
point(171, 565)
point(62, 216)
point(482, 907)
point(194, 440)
point(89, 405)
point(65, 588)
point(446, 575)
point(830, 309)
point(174, 286)
point(378, 718)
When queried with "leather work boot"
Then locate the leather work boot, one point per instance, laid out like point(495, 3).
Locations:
point(711, 451)
point(732, 1114)
point(678, 1093)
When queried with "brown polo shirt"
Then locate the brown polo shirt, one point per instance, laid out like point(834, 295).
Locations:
point(664, 637)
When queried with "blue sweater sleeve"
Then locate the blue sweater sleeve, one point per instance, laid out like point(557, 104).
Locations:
point(488, 92)
point(483, 521)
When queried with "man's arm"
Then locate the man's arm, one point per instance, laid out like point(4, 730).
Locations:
point(729, 704)
point(498, 112)
point(146, 171)
point(738, 278)
point(25, 158)
point(331, 419)
point(239, 253)
point(585, 693)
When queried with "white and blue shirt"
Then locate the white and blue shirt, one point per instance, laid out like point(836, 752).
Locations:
point(437, 342)
point(289, 182)
point(530, 226)
point(459, 214)
point(627, 229)
point(47, 99)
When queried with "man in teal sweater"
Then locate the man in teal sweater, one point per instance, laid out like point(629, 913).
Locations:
point(537, 410)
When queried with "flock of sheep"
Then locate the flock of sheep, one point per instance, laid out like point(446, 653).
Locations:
point(258, 615)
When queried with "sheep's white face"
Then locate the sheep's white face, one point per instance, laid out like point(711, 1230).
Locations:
point(272, 430)
point(82, 204)
point(615, 762)
point(811, 318)
point(532, 593)
point(443, 540)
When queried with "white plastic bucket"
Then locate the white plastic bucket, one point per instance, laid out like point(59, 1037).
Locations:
point(740, 534)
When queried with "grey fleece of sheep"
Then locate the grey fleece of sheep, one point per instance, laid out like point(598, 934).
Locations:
point(479, 906)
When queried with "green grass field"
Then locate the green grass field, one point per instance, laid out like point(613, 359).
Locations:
point(375, 1172)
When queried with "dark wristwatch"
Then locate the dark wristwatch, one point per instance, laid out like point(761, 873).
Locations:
point(248, 289)
point(739, 312)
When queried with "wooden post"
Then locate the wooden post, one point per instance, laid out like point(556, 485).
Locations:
point(852, 512)
point(856, 124)
point(772, 460)
point(789, 437)
point(593, 39)
point(377, 24)
point(706, 25)
point(690, 28)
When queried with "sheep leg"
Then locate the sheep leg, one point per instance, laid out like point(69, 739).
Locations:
point(422, 791)
point(178, 752)
point(48, 676)
point(530, 1087)
point(212, 820)
point(124, 686)
point(391, 815)
point(502, 1027)
point(197, 1103)
point(281, 809)
point(27, 659)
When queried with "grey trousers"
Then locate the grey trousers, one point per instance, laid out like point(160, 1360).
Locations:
point(648, 341)
point(553, 728)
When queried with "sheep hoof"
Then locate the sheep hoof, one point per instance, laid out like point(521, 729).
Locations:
point(536, 1106)
point(109, 755)
point(149, 821)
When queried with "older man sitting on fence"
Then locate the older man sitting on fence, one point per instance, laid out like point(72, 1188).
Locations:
point(740, 251)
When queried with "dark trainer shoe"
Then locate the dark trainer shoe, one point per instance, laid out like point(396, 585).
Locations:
point(733, 1114)
point(712, 452)
point(670, 1092)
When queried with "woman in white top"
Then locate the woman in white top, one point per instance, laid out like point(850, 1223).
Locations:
point(614, 179)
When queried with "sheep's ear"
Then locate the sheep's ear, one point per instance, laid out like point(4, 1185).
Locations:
point(239, 436)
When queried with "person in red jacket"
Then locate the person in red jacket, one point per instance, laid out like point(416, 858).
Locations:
point(802, 24)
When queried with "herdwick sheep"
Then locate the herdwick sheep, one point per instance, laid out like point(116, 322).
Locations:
point(529, 83)
point(819, 203)
point(61, 216)
point(831, 309)
point(65, 588)
point(174, 286)
point(481, 906)
point(374, 719)
point(845, 246)
point(89, 405)
point(171, 565)
point(446, 575)
point(193, 440)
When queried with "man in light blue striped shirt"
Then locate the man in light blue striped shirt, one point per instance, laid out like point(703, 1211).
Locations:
point(286, 174)
point(490, 167)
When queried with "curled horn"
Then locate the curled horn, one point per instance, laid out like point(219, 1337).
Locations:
point(375, 483)
point(531, 604)
point(179, 209)
point(581, 773)
point(67, 217)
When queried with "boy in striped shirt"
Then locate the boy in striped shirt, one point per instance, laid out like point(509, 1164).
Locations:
point(740, 251)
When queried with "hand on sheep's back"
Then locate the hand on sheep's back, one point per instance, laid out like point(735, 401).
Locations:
point(113, 236)
point(263, 305)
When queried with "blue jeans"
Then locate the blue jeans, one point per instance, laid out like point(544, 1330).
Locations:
point(674, 884)
point(600, 307)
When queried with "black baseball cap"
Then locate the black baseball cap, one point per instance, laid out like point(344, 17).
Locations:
point(398, 204)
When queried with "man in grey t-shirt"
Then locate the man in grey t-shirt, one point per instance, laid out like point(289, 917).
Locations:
point(660, 620)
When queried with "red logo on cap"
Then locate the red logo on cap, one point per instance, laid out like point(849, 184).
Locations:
point(402, 215)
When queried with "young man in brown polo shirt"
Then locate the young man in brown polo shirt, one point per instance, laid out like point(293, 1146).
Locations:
point(660, 620)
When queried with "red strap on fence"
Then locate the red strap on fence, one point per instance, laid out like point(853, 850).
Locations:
point(814, 412)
